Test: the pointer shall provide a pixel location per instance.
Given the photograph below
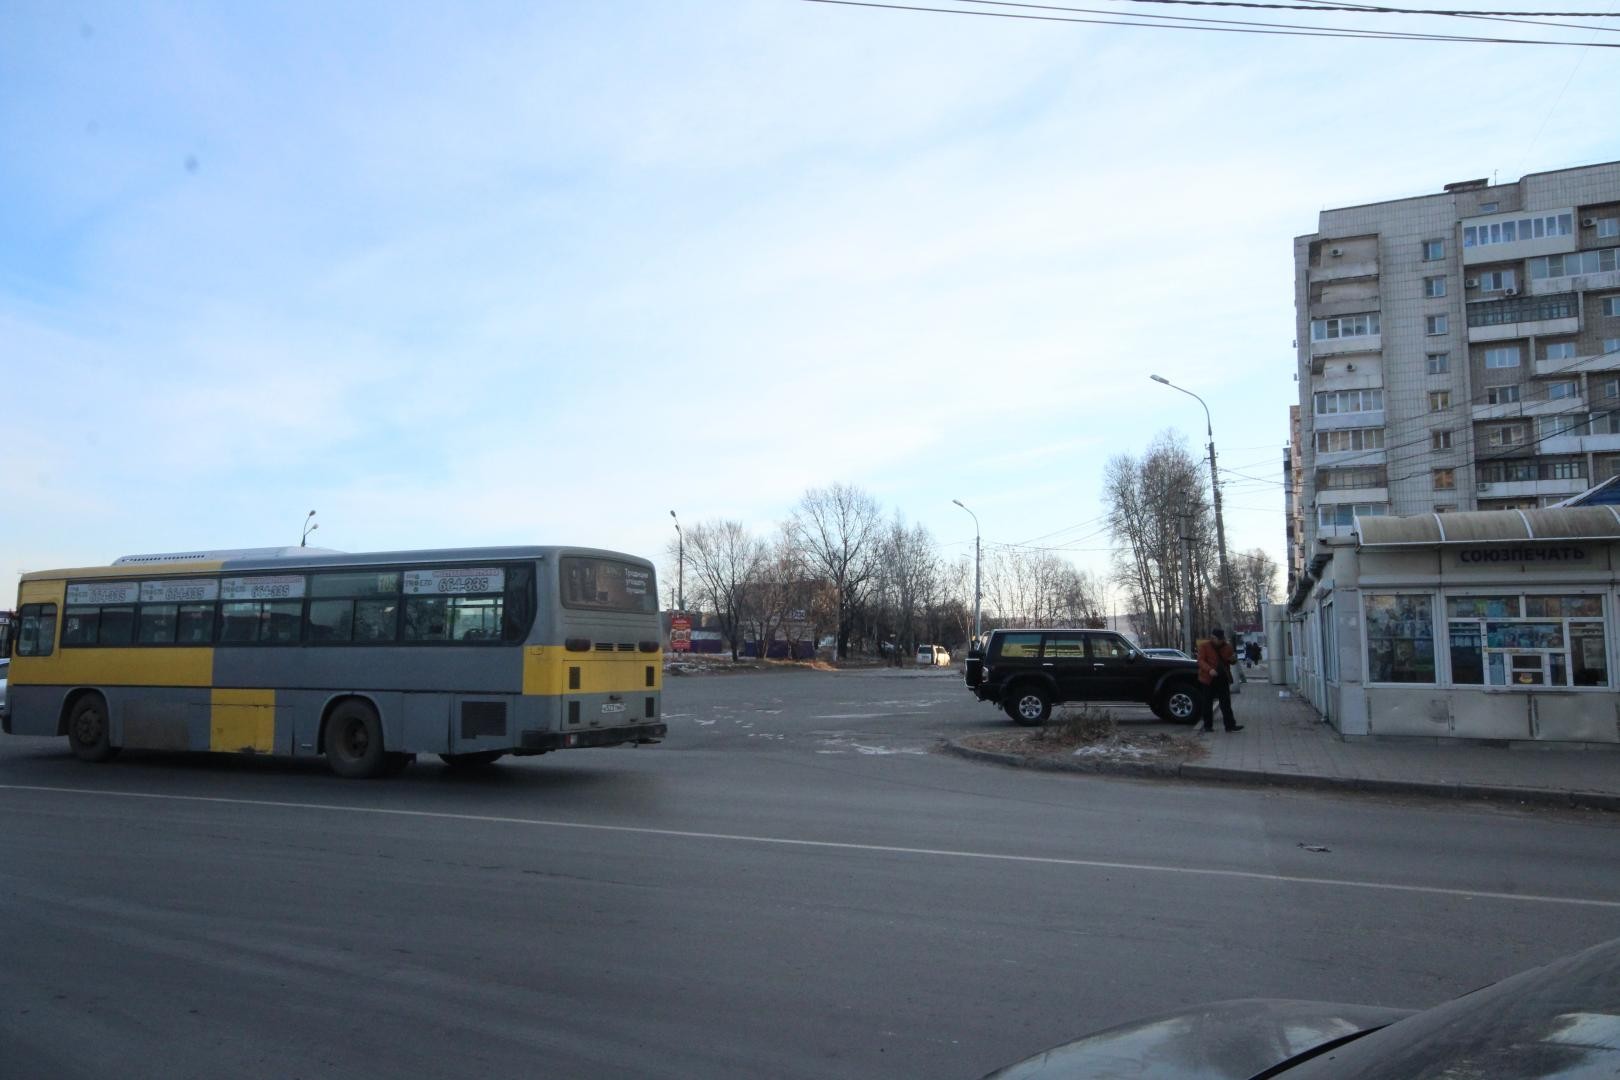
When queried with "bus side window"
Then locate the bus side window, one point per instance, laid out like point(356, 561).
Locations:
point(519, 611)
point(36, 630)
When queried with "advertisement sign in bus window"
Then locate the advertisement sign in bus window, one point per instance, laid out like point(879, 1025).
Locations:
point(458, 581)
point(280, 587)
point(607, 585)
point(103, 592)
point(178, 592)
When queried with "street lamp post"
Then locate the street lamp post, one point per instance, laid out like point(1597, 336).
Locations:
point(309, 527)
point(680, 565)
point(1220, 523)
point(975, 518)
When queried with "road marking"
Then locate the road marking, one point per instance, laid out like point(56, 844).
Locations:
point(837, 845)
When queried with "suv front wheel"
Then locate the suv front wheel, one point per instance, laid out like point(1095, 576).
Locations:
point(1029, 705)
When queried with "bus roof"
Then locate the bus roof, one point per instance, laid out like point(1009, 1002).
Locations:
point(277, 559)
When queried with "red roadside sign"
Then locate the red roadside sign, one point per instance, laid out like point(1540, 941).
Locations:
point(680, 633)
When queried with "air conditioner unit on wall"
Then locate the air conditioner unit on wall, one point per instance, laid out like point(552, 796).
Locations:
point(1335, 252)
point(1588, 222)
point(1482, 487)
point(1510, 292)
point(1471, 283)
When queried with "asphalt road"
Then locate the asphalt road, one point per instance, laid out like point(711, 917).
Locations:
point(792, 885)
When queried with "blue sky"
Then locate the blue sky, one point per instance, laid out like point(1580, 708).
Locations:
point(542, 272)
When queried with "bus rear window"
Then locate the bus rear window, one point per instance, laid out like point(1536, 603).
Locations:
point(607, 585)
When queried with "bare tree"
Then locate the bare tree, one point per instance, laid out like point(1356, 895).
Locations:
point(724, 561)
point(836, 533)
point(1254, 579)
point(1153, 502)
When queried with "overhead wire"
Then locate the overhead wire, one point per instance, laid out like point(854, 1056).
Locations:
point(1227, 26)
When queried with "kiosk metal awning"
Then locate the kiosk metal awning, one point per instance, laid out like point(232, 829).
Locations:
point(1490, 526)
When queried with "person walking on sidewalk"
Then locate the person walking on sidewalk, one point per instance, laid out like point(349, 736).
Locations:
point(1215, 657)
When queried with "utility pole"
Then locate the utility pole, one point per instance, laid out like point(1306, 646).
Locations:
point(975, 518)
point(1186, 581)
point(680, 565)
point(1215, 490)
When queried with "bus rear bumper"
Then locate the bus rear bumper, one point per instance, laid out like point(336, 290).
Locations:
point(540, 742)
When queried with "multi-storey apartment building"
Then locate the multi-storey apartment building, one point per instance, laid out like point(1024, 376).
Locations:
point(1458, 351)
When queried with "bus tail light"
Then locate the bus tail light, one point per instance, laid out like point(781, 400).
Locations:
point(649, 646)
point(578, 644)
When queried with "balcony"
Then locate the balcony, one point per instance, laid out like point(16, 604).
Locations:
point(1326, 421)
point(1579, 444)
point(1529, 489)
point(1604, 279)
point(1513, 410)
point(1339, 496)
point(1343, 270)
point(1597, 362)
point(1320, 350)
point(1523, 316)
point(1327, 460)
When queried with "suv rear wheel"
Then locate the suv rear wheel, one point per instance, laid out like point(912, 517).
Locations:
point(1179, 703)
point(1029, 705)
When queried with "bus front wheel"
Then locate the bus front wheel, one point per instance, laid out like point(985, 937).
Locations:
point(87, 729)
point(354, 741)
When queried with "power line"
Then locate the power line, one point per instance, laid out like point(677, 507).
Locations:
point(1226, 26)
point(1527, 18)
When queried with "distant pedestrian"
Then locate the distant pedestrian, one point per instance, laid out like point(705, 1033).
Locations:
point(1215, 657)
point(1251, 653)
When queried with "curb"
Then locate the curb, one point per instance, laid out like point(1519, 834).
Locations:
point(1585, 800)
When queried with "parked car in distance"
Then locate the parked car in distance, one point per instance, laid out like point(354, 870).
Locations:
point(933, 656)
point(1026, 672)
point(1173, 654)
point(1561, 1020)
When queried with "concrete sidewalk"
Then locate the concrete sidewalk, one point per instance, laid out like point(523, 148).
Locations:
point(1283, 741)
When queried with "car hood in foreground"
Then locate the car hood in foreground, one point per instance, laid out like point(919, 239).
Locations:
point(1226, 1040)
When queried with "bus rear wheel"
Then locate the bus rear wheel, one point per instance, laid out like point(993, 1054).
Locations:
point(87, 730)
point(477, 760)
point(354, 742)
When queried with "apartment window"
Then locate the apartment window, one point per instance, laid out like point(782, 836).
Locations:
point(1508, 232)
point(1572, 263)
point(1548, 427)
point(1611, 306)
point(1439, 400)
point(1439, 440)
point(1342, 514)
point(1344, 479)
point(1439, 363)
point(1489, 207)
point(1434, 287)
point(1501, 395)
point(1346, 326)
point(1504, 435)
point(1607, 227)
point(1337, 402)
point(1563, 388)
point(1444, 479)
point(1434, 324)
point(1505, 357)
point(1610, 388)
point(1611, 344)
point(1497, 280)
point(1561, 350)
point(1434, 250)
point(1335, 442)
point(1444, 508)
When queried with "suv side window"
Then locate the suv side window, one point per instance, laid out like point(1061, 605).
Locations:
point(1109, 647)
point(1065, 647)
point(1016, 646)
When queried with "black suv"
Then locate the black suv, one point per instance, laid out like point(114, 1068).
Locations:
point(1026, 672)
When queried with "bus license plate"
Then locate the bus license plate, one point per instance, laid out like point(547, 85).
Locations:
point(613, 707)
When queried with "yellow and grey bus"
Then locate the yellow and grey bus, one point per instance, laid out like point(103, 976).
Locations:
point(369, 659)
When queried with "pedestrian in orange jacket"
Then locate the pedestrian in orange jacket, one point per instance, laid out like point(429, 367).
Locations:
point(1215, 657)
